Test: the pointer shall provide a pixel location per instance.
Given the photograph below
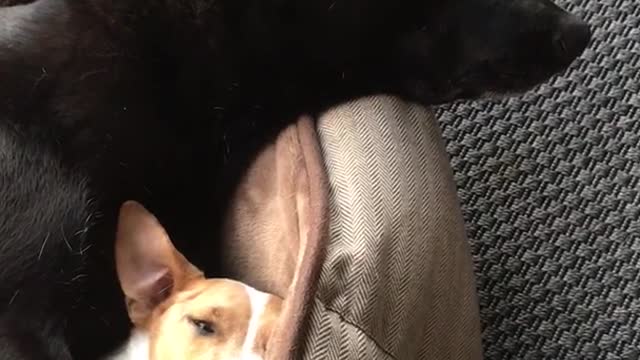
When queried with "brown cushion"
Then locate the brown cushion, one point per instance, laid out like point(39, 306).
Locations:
point(356, 222)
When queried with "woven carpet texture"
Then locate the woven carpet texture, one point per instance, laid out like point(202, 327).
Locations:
point(549, 184)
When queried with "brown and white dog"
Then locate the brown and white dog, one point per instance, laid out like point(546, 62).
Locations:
point(178, 313)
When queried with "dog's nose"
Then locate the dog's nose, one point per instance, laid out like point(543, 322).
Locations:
point(571, 39)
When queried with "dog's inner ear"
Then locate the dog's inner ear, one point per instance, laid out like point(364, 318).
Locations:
point(149, 267)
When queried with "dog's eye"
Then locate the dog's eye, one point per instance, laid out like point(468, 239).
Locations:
point(204, 328)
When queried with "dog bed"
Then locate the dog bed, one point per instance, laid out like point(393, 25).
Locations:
point(354, 220)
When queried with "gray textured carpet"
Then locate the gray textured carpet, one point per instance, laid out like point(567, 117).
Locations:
point(550, 187)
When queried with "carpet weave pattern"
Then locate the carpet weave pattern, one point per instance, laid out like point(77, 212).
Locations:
point(549, 184)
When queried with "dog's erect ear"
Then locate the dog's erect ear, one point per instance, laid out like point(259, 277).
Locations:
point(149, 267)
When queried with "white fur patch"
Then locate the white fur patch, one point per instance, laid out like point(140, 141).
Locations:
point(258, 302)
point(136, 348)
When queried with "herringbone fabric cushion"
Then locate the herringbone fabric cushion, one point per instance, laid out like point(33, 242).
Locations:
point(397, 281)
point(549, 184)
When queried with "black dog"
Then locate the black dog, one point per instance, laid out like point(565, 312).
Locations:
point(165, 102)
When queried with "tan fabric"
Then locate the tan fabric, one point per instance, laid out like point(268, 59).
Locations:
point(397, 281)
point(277, 228)
point(391, 276)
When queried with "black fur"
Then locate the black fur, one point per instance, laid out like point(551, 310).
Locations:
point(165, 102)
point(46, 213)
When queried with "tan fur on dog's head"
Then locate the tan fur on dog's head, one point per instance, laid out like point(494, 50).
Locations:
point(181, 314)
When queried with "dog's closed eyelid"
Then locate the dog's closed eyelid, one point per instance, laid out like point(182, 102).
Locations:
point(203, 327)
